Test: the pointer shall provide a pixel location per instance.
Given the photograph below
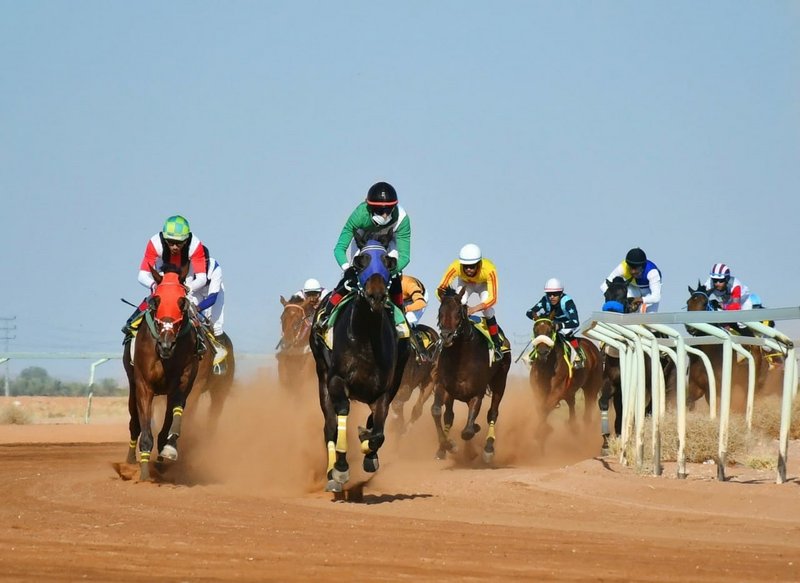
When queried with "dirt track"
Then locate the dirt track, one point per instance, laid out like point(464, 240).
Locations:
point(249, 507)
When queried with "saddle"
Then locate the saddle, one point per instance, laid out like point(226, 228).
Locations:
point(505, 346)
point(325, 329)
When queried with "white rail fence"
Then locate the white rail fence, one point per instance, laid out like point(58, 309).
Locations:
point(633, 336)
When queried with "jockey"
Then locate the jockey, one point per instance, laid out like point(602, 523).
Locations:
point(177, 245)
point(312, 291)
point(415, 301)
point(210, 302)
point(726, 290)
point(378, 218)
point(565, 315)
point(643, 277)
point(478, 275)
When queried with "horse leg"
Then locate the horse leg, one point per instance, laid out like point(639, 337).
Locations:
point(491, 418)
point(471, 428)
point(424, 394)
point(570, 399)
point(144, 408)
point(338, 408)
point(372, 439)
point(133, 426)
point(606, 393)
point(445, 443)
point(171, 431)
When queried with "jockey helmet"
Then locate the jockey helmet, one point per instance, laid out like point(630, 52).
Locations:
point(553, 285)
point(469, 254)
point(312, 285)
point(755, 299)
point(636, 258)
point(382, 194)
point(720, 272)
point(176, 228)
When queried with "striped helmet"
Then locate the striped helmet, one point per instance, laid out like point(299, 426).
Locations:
point(176, 228)
point(720, 271)
point(553, 285)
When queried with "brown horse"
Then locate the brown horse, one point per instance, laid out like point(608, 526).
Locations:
point(216, 382)
point(165, 362)
point(698, 385)
point(417, 374)
point(294, 356)
point(553, 377)
point(464, 372)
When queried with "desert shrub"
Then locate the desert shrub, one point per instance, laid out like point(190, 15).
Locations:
point(14, 414)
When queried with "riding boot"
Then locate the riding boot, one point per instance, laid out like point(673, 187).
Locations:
point(332, 300)
point(580, 357)
point(416, 344)
point(494, 331)
point(132, 325)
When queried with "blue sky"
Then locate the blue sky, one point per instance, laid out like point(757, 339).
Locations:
point(555, 135)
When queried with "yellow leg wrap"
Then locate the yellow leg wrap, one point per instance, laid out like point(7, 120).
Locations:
point(132, 444)
point(446, 429)
point(365, 447)
point(341, 433)
point(177, 411)
point(145, 457)
point(491, 431)
point(331, 455)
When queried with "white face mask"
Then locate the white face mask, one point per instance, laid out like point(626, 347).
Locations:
point(381, 220)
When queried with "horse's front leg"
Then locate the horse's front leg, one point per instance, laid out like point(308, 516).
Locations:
point(144, 409)
point(133, 426)
point(336, 408)
point(171, 431)
point(471, 428)
point(425, 391)
point(372, 437)
point(445, 443)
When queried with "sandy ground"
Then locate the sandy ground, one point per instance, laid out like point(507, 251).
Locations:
point(248, 505)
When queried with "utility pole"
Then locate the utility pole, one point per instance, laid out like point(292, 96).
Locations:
point(6, 327)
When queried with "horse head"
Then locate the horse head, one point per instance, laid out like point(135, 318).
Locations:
point(616, 296)
point(168, 306)
point(374, 267)
point(295, 324)
point(544, 335)
point(700, 300)
point(452, 315)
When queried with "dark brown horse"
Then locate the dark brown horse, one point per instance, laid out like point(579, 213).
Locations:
point(365, 363)
point(554, 380)
point(697, 386)
point(465, 373)
point(216, 382)
point(293, 356)
point(165, 362)
point(418, 374)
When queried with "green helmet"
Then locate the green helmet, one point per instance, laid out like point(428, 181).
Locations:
point(176, 229)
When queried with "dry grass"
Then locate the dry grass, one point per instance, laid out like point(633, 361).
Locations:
point(767, 417)
point(15, 414)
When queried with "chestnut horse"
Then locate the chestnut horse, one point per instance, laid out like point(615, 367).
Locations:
point(417, 374)
point(465, 373)
point(697, 386)
point(165, 362)
point(553, 377)
point(365, 363)
point(293, 356)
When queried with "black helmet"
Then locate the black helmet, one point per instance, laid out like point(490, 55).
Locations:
point(382, 194)
point(636, 257)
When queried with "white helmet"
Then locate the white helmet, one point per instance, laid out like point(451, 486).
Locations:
point(553, 285)
point(469, 254)
point(312, 285)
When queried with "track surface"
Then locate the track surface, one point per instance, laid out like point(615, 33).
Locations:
point(248, 506)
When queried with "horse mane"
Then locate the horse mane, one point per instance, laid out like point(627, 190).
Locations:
point(170, 268)
point(449, 292)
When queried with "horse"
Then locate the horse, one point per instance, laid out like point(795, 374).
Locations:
point(465, 372)
point(418, 373)
point(365, 364)
point(217, 382)
point(553, 377)
point(293, 356)
point(697, 386)
point(165, 362)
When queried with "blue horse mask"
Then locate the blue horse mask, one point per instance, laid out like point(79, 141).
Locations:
point(376, 252)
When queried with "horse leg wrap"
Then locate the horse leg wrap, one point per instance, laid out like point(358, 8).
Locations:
point(436, 410)
point(175, 428)
point(446, 429)
point(341, 433)
point(604, 422)
point(331, 456)
point(131, 452)
point(490, 435)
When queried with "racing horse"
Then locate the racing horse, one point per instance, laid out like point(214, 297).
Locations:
point(554, 379)
point(365, 363)
point(465, 373)
point(698, 385)
point(418, 373)
point(293, 356)
point(165, 362)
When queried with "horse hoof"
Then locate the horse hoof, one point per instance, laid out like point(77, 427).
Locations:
point(333, 486)
point(340, 477)
point(488, 456)
point(169, 453)
point(371, 463)
point(440, 454)
point(451, 446)
point(466, 435)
